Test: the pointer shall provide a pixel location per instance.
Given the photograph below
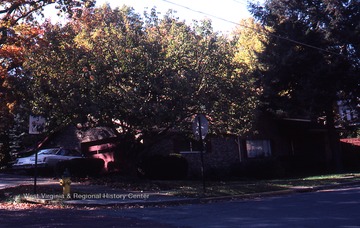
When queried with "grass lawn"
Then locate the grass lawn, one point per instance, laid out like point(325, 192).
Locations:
point(227, 188)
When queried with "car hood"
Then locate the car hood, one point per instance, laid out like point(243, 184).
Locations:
point(31, 159)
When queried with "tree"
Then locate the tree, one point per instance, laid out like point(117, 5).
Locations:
point(204, 77)
point(144, 76)
point(312, 56)
point(12, 90)
point(18, 32)
point(85, 69)
point(14, 11)
point(250, 39)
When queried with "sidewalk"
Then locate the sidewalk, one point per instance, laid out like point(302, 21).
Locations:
point(101, 195)
point(83, 194)
point(97, 196)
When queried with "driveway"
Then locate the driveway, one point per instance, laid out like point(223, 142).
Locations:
point(10, 180)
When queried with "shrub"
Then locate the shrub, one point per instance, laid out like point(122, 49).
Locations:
point(351, 157)
point(171, 167)
point(258, 168)
point(80, 167)
point(303, 166)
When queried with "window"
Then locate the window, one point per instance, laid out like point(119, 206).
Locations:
point(49, 151)
point(188, 145)
point(258, 148)
point(191, 146)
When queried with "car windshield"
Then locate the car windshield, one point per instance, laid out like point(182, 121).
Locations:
point(68, 152)
point(48, 151)
point(72, 153)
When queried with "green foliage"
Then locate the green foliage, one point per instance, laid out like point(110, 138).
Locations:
point(258, 168)
point(171, 167)
point(250, 38)
point(18, 32)
point(304, 78)
point(111, 67)
point(80, 167)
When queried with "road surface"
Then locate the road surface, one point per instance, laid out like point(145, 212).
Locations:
point(327, 208)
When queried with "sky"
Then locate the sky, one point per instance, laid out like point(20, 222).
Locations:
point(227, 12)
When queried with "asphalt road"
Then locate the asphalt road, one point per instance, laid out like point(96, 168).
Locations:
point(330, 208)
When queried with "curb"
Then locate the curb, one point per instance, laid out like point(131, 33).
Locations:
point(135, 203)
point(277, 193)
point(40, 200)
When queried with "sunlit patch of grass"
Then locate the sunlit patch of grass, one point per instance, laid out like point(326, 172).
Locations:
point(334, 176)
point(320, 180)
point(218, 189)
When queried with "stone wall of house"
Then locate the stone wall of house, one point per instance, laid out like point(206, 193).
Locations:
point(164, 146)
point(218, 159)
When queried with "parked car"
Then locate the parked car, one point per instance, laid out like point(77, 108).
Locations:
point(47, 158)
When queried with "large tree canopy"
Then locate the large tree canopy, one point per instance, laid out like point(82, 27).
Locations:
point(14, 11)
point(17, 28)
point(250, 38)
point(311, 60)
point(113, 67)
point(18, 31)
point(312, 56)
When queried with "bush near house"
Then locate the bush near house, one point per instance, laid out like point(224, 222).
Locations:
point(303, 166)
point(279, 167)
point(350, 157)
point(80, 167)
point(258, 168)
point(170, 167)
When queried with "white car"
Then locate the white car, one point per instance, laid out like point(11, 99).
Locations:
point(47, 158)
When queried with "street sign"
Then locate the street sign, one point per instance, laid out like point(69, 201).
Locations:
point(36, 124)
point(200, 127)
point(200, 120)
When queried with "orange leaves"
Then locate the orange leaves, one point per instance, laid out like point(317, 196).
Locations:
point(3, 72)
point(26, 30)
point(70, 72)
point(11, 106)
point(10, 50)
point(11, 53)
point(27, 35)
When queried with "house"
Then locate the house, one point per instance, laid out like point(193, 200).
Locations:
point(282, 146)
point(348, 125)
point(347, 112)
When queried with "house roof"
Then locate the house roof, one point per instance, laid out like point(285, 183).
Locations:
point(97, 133)
point(353, 141)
